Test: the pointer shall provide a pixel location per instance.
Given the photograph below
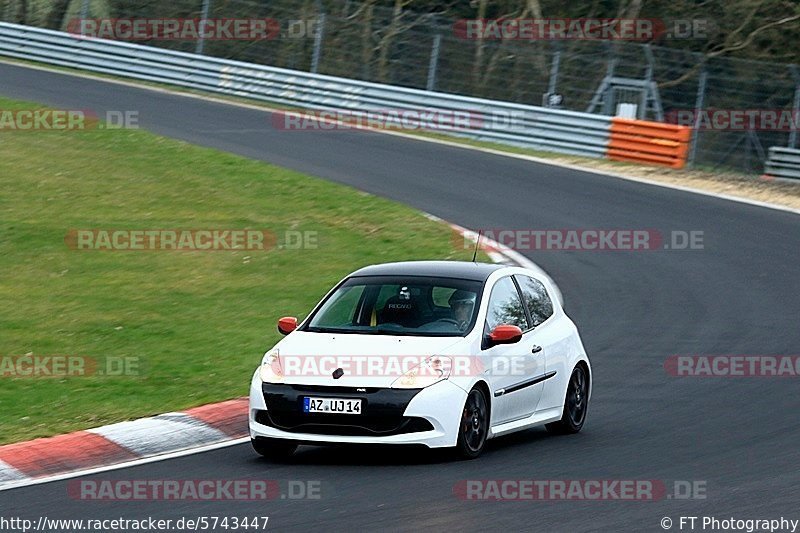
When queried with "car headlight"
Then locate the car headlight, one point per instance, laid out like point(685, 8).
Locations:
point(430, 371)
point(271, 370)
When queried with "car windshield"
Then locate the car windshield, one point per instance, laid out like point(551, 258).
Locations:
point(399, 305)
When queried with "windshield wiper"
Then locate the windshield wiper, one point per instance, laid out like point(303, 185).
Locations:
point(317, 329)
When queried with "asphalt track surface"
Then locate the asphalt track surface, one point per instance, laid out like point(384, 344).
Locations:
point(739, 295)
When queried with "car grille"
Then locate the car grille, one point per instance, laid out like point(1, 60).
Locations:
point(382, 411)
point(338, 425)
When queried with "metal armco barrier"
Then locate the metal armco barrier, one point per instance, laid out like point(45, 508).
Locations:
point(540, 128)
point(502, 122)
point(646, 142)
point(783, 163)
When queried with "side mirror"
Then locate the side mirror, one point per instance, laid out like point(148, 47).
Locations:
point(505, 334)
point(288, 324)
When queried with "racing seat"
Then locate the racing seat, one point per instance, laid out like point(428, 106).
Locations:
point(402, 311)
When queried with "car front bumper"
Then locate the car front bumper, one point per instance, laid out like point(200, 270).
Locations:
point(428, 416)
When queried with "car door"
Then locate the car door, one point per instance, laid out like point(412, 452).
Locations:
point(544, 333)
point(511, 366)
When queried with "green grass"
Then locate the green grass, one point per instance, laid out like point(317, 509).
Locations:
point(198, 321)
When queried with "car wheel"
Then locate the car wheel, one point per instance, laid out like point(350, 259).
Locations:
point(575, 404)
point(474, 425)
point(273, 448)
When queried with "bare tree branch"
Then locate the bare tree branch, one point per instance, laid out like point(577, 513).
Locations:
point(752, 35)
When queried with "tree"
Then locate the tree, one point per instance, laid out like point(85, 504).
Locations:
point(55, 17)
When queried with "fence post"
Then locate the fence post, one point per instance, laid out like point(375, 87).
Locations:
point(698, 105)
point(554, 68)
point(795, 107)
point(201, 40)
point(795, 118)
point(599, 94)
point(433, 64)
point(85, 9)
point(318, 43)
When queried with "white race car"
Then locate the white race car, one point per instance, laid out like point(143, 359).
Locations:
point(433, 353)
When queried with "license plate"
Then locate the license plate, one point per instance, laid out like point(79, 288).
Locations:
point(338, 406)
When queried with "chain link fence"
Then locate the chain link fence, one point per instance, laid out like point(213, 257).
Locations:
point(368, 42)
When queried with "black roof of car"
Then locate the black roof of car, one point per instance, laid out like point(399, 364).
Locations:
point(442, 269)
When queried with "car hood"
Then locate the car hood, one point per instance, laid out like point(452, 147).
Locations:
point(366, 360)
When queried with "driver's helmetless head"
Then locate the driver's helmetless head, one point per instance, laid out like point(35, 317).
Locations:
point(462, 303)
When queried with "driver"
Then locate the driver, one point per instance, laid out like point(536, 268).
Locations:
point(462, 303)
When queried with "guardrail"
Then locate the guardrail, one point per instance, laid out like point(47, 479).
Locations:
point(783, 163)
point(528, 126)
point(539, 128)
point(649, 142)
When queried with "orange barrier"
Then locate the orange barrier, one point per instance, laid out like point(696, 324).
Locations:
point(653, 143)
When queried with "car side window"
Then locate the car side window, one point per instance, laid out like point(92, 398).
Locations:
point(536, 299)
point(505, 306)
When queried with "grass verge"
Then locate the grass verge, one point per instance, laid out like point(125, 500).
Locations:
point(196, 322)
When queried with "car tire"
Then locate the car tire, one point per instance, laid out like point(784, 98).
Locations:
point(276, 449)
point(576, 403)
point(473, 427)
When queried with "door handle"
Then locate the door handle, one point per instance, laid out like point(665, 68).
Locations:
point(536, 348)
